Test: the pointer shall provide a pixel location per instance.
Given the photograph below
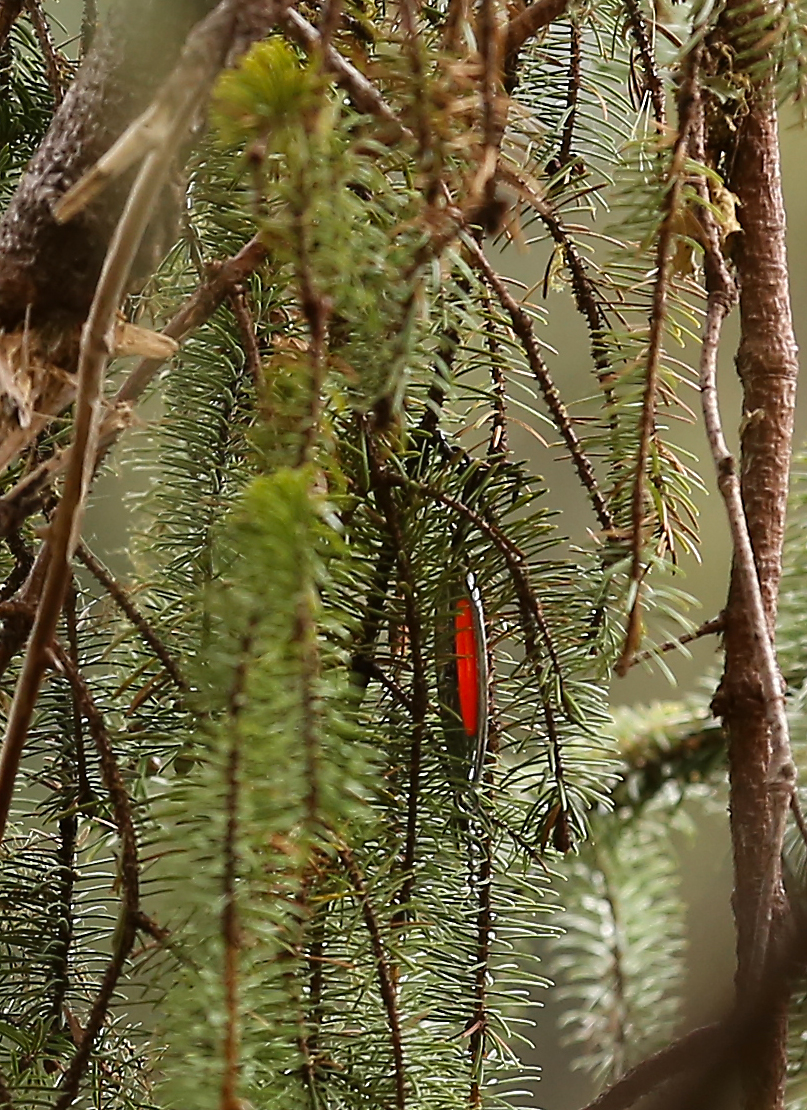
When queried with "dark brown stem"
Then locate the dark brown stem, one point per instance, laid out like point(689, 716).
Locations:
point(230, 928)
point(522, 326)
point(572, 93)
point(385, 980)
point(420, 689)
point(129, 879)
point(528, 23)
point(768, 367)
point(658, 320)
point(56, 65)
point(246, 328)
point(10, 11)
point(654, 84)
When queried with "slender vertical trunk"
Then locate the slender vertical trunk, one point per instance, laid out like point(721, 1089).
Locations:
point(767, 366)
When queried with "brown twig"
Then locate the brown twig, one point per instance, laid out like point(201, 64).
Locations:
point(246, 326)
point(124, 602)
point(658, 319)
point(708, 628)
point(230, 928)
point(56, 65)
point(129, 877)
point(10, 11)
point(781, 771)
point(653, 82)
point(528, 23)
point(383, 971)
point(382, 486)
point(522, 326)
point(63, 533)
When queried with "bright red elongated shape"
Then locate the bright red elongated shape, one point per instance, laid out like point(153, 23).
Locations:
point(466, 647)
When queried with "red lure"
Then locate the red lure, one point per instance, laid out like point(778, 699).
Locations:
point(466, 648)
point(462, 680)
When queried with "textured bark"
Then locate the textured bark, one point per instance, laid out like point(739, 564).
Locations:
point(48, 272)
point(768, 367)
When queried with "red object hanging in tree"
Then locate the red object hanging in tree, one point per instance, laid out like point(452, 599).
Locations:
point(462, 678)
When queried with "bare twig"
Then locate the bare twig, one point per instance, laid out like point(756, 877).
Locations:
point(246, 326)
point(56, 65)
point(230, 928)
point(654, 84)
point(658, 319)
point(124, 602)
point(362, 92)
point(708, 628)
point(522, 327)
point(129, 877)
point(10, 11)
point(528, 23)
point(781, 770)
point(385, 980)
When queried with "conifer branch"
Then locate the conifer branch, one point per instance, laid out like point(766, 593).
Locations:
point(523, 329)
point(534, 18)
point(382, 484)
point(572, 93)
point(56, 65)
point(708, 628)
point(128, 919)
point(654, 85)
point(658, 319)
point(230, 927)
point(385, 980)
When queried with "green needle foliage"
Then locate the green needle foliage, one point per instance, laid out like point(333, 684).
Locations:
point(248, 864)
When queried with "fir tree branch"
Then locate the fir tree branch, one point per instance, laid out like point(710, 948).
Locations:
point(658, 318)
point(385, 980)
point(638, 26)
point(56, 65)
point(523, 329)
point(708, 628)
point(230, 927)
point(572, 92)
point(129, 870)
point(124, 602)
point(382, 486)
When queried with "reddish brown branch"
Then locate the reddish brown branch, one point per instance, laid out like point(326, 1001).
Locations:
point(10, 11)
point(385, 980)
point(129, 878)
point(522, 326)
point(528, 23)
point(658, 319)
